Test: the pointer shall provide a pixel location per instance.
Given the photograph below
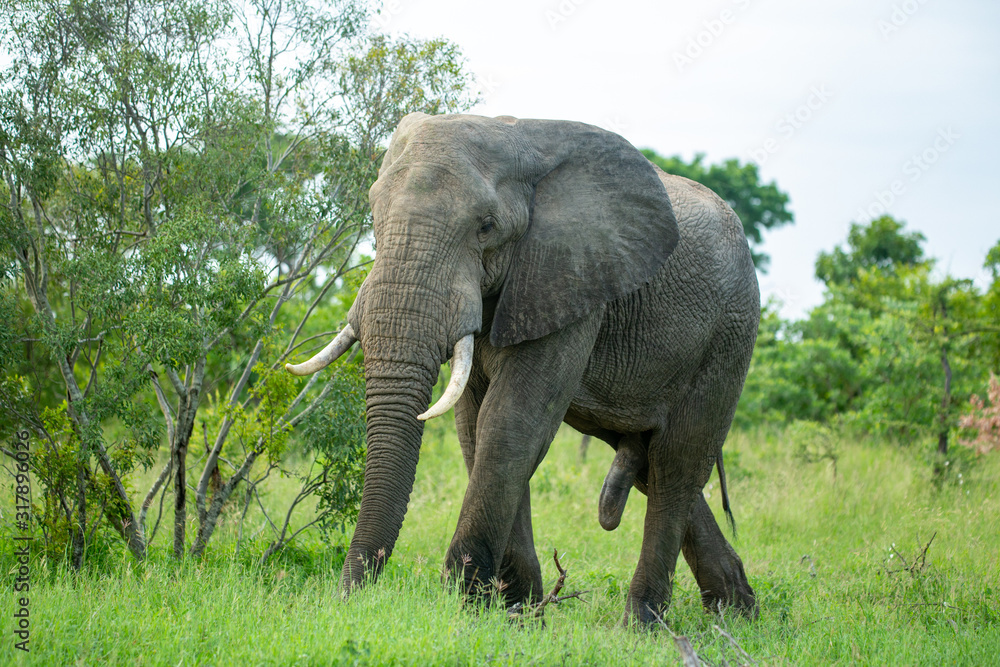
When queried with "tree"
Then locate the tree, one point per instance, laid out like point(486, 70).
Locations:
point(920, 332)
point(176, 220)
point(760, 207)
point(881, 244)
point(892, 349)
point(989, 340)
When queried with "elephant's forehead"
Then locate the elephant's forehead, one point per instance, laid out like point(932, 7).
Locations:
point(481, 133)
point(484, 146)
point(442, 180)
point(429, 190)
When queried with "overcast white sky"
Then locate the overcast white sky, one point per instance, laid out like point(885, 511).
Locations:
point(869, 84)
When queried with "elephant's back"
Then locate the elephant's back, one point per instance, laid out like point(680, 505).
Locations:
point(711, 271)
point(712, 234)
point(703, 298)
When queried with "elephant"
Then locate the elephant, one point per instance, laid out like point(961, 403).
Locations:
point(569, 280)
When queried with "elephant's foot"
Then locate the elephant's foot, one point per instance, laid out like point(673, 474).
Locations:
point(724, 585)
point(518, 580)
point(473, 574)
point(735, 593)
point(715, 564)
point(645, 614)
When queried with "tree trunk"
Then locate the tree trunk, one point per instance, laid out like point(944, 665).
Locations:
point(207, 527)
point(180, 491)
point(945, 403)
point(185, 426)
point(80, 531)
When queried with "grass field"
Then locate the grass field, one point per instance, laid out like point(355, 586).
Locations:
point(826, 551)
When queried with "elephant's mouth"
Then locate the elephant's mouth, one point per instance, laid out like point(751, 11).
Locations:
point(461, 368)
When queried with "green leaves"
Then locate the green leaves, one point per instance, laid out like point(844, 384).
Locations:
point(259, 423)
point(893, 350)
point(335, 434)
point(880, 245)
point(166, 208)
point(393, 77)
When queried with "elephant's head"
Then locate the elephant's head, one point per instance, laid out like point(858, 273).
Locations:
point(542, 220)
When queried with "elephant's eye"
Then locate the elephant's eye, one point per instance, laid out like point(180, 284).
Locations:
point(487, 225)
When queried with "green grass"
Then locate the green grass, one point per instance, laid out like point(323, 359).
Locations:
point(816, 549)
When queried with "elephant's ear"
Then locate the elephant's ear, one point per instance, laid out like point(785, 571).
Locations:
point(601, 226)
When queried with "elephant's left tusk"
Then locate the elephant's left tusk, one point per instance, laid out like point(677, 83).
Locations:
point(461, 367)
point(327, 355)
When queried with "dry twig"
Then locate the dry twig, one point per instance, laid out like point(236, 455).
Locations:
point(919, 563)
point(536, 610)
point(689, 658)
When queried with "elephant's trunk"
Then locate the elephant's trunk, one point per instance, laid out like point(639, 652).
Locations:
point(408, 317)
point(395, 393)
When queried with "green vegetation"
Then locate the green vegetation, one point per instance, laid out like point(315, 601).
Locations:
point(176, 223)
point(895, 350)
point(183, 199)
point(826, 554)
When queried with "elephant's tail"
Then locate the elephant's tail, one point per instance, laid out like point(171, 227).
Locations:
point(725, 494)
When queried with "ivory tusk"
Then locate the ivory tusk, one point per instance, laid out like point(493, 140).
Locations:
point(461, 367)
point(344, 340)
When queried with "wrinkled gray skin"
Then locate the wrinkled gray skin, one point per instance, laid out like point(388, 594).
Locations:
point(602, 292)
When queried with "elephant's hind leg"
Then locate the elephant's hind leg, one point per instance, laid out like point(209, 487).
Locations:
point(715, 564)
point(672, 484)
point(681, 458)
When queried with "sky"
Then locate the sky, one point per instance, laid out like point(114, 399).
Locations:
point(854, 107)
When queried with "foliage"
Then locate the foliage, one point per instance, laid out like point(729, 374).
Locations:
point(824, 558)
point(760, 206)
point(984, 420)
point(793, 376)
point(893, 350)
point(878, 245)
point(168, 210)
point(335, 436)
point(988, 343)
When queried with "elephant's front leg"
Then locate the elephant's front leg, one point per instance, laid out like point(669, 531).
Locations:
point(520, 571)
point(530, 388)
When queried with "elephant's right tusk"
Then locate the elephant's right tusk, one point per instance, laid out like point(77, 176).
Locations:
point(344, 340)
point(461, 367)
